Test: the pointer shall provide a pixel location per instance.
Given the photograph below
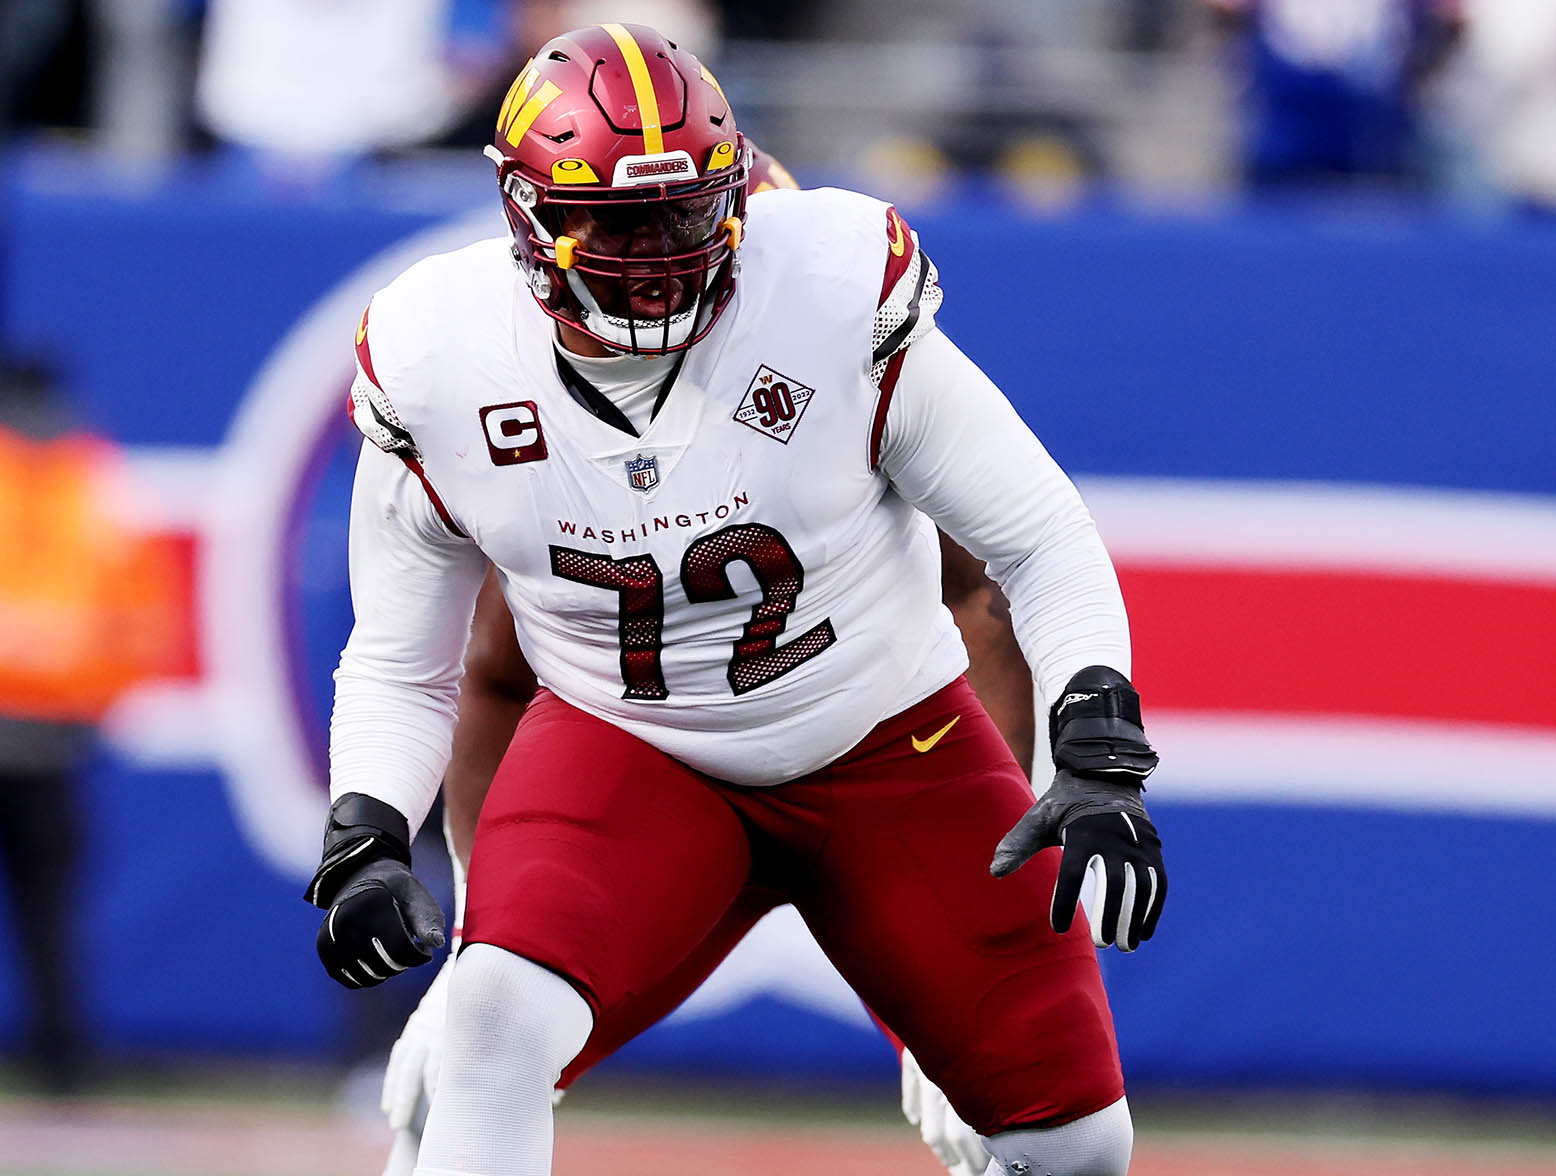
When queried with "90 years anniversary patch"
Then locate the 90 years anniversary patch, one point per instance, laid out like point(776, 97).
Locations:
point(774, 404)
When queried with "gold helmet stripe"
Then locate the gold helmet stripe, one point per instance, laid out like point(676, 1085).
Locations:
point(642, 87)
point(517, 92)
point(530, 111)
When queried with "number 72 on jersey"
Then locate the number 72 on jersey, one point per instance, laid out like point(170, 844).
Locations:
point(639, 586)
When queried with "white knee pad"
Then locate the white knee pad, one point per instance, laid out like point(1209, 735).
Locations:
point(512, 1027)
point(509, 1010)
point(1098, 1145)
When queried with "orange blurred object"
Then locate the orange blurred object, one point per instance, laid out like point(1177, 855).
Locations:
point(89, 603)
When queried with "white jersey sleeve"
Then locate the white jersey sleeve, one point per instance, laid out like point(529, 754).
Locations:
point(955, 448)
point(414, 580)
point(413, 590)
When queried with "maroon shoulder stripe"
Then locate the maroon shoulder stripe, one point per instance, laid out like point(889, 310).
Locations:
point(883, 405)
point(437, 503)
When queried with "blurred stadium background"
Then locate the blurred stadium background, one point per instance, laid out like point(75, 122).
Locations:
point(1274, 279)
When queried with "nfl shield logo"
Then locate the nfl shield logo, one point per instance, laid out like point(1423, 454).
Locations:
point(643, 473)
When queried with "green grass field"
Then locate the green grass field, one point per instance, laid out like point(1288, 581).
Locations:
point(233, 1122)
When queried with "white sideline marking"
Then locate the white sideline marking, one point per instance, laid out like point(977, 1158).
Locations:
point(1344, 760)
point(1326, 525)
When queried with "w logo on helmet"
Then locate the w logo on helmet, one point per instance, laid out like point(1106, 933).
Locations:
point(520, 109)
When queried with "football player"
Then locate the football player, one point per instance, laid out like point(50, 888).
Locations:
point(705, 447)
point(496, 687)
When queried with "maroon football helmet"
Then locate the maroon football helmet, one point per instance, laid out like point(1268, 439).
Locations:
point(623, 177)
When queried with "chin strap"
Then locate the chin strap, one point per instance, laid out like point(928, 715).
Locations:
point(593, 318)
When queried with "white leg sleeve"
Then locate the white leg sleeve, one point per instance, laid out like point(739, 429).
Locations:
point(1098, 1145)
point(512, 1027)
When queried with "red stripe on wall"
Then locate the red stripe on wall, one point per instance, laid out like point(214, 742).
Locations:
point(185, 550)
point(1343, 643)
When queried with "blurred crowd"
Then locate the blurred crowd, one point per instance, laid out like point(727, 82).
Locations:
point(1447, 96)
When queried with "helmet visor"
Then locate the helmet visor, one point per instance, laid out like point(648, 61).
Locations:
point(632, 229)
point(645, 260)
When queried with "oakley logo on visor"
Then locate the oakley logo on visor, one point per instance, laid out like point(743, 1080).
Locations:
point(653, 169)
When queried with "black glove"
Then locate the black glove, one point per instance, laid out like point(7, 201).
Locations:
point(381, 920)
point(1093, 809)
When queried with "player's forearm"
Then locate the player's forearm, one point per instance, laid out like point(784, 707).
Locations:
point(396, 692)
point(1065, 603)
point(957, 449)
point(390, 743)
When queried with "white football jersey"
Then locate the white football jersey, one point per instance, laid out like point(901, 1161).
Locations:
point(740, 586)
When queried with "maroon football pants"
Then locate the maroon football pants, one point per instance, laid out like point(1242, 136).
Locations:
point(632, 875)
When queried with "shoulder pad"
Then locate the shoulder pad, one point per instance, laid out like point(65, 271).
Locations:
point(910, 296)
point(369, 406)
